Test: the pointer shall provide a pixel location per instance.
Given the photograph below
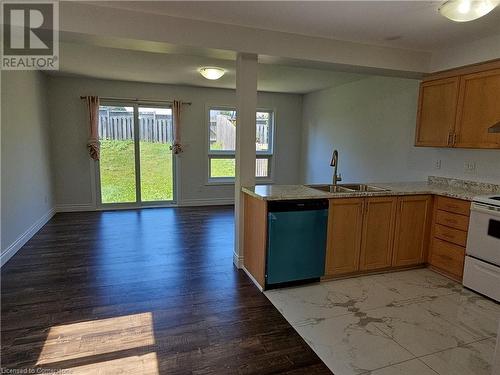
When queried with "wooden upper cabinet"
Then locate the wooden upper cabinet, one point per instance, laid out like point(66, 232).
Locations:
point(456, 107)
point(345, 221)
point(478, 110)
point(412, 230)
point(437, 110)
point(378, 233)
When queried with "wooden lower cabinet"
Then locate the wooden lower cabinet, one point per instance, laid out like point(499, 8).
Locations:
point(345, 224)
point(378, 233)
point(449, 236)
point(412, 230)
point(373, 233)
point(455, 236)
point(255, 237)
point(452, 220)
point(447, 257)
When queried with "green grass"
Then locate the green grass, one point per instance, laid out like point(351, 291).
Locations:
point(223, 167)
point(118, 173)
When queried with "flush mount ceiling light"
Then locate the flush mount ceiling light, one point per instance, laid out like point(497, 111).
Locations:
point(467, 10)
point(211, 72)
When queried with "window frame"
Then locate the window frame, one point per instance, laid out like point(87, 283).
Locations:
point(227, 154)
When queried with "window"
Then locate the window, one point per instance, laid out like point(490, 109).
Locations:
point(222, 144)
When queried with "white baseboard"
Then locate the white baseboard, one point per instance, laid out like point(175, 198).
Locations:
point(75, 207)
point(206, 202)
point(237, 260)
point(23, 238)
point(185, 203)
point(261, 288)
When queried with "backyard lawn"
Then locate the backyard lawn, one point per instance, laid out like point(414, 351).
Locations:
point(118, 172)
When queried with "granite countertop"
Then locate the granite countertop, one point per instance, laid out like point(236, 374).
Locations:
point(453, 188)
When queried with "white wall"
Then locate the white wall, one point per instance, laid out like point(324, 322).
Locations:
point(113, 27)
point(468, 53)
point(372, 124)
point(27, 198)
point(72, 166)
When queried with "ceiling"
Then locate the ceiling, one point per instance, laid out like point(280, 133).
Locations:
point(411, 25)
point(182, 69)
point(414, 25)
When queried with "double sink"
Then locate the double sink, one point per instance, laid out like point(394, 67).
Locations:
point(348, 188)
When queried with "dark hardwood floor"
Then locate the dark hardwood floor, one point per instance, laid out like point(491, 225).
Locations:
point(147, 291)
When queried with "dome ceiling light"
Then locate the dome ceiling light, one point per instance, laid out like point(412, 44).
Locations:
point(466, 10)
point(211, 72)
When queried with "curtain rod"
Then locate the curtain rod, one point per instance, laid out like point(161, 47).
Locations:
point(135, 100)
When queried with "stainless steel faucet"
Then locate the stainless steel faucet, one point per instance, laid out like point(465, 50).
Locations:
point(335, 163)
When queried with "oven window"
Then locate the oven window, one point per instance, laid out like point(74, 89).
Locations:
point(494, 228)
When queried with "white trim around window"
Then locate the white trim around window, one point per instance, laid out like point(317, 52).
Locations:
point(224, 156)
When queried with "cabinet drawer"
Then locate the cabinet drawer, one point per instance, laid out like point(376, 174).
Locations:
point(452, 220)
point(448, 257)
point(455, 206)
point(458, 237)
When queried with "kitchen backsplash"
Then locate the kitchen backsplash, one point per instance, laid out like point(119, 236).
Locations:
point(479, 186)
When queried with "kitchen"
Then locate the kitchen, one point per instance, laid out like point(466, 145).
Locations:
point(423, 233)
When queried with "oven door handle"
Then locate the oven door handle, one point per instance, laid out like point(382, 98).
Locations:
point(484, 210)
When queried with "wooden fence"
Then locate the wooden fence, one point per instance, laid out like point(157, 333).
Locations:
point(262, 132)
point(119, 125)
point(223, 132)
point(153, 127)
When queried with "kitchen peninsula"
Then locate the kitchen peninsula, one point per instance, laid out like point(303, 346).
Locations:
point(391, 226)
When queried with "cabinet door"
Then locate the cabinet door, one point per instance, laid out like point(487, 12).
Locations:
point(448, 257)
point(345, 219)
point(412, 230)
point(437, 112)
point(378, 233)
point(479, 109)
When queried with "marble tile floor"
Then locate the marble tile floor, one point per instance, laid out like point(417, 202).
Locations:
point(414, 322)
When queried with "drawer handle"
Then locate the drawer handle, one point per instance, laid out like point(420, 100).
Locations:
point(447, 235)
point(453, 206)
point(451, 221)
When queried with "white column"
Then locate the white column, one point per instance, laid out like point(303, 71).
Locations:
point(246, 106)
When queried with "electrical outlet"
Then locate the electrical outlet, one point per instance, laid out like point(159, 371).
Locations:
point(437, 165)
point(469, 166)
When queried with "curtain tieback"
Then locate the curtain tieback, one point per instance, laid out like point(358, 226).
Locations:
point(176, 148)
point(93, 146)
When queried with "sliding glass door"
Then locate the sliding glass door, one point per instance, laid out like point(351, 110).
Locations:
point(155, 138)
point(136, 167)
point(117, 161)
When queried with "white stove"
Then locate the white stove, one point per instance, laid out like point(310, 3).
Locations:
point(482, 260)
point(488, 200)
